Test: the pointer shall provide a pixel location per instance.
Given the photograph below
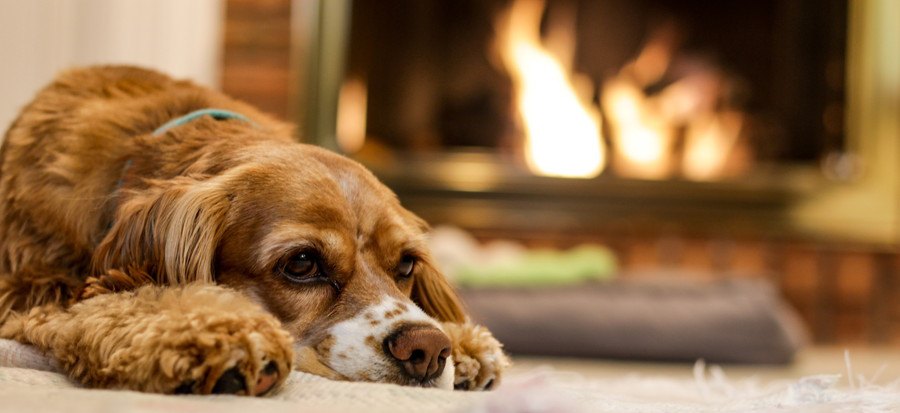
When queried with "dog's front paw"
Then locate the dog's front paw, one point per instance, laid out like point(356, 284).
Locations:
point(192, 339)
point(240, 356)
point(477, 356)
point(227, 347)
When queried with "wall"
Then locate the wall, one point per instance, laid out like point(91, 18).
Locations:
point(257, 54)
point(38, 38)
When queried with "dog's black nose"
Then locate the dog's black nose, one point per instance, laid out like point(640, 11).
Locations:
point(421, 350)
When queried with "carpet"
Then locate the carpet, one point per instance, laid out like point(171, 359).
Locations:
point(30, 383)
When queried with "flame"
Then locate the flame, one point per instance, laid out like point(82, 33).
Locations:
point(642, 140)
point(709, 141)
point(562, 133)
point(644, 128)
point(351, 115)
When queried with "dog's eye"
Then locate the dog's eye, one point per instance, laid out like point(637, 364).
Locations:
point(406, 266)
point(302, 266)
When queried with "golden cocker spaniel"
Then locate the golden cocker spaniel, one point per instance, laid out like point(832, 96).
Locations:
point(162, 237)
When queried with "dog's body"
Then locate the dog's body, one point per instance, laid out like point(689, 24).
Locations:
point(198, 256)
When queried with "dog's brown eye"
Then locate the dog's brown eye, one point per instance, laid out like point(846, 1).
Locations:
point(303, 266)
point(406, 266)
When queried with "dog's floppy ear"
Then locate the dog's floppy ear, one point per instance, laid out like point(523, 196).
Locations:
point(168, 234)
point(433, 293)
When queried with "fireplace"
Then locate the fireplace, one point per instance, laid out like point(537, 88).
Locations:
point(725, 117)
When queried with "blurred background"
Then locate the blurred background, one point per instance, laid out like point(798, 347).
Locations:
point(652, 179)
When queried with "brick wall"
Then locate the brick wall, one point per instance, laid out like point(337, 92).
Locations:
point(256, 65)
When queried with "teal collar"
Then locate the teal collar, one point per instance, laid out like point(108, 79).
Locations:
point(217, 114)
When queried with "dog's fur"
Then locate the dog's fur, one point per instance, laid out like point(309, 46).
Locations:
point(152, 262)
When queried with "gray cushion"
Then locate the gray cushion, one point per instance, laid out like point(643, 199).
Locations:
point(669, 318)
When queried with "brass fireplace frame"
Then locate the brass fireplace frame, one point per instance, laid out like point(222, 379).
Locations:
point(483, 192)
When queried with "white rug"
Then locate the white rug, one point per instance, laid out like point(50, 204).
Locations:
point(29, 383)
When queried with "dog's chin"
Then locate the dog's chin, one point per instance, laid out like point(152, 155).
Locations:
point(397, 376)
point(446, 379)
point(307, 360)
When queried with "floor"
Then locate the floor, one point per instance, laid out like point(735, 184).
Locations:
point(881, 364)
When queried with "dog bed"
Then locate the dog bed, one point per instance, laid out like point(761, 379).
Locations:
point(644, 317)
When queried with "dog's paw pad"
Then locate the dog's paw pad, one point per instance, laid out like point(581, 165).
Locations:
point(230, 382)
point(186, 387)
point(252, 360)
point(268, 377)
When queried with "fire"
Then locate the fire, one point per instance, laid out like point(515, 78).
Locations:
point(686, 127)
point(351, 115)
point(645, 128)
point(562, 133)
point(642, 140)
point(709, 142)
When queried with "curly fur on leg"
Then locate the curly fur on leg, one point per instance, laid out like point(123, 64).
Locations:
point(115, 281)
point(160, 339)
point(28, 290)
point(478, 356)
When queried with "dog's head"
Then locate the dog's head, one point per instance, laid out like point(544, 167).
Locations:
point(315, 239)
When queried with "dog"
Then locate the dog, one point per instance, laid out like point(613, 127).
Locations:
point(159, 236)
